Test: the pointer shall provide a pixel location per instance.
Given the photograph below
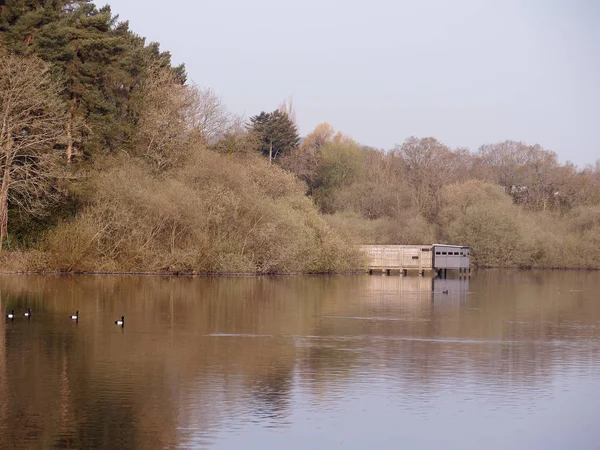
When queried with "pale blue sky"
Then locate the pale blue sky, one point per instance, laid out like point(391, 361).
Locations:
point(467, 72)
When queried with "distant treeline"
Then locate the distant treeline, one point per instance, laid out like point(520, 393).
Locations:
point(111, 161)
point(513, 203)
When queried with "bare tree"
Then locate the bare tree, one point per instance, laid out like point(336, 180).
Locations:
point(32, 118)
point(287, 106)
point(429, 165)
point(165, 123)
point(529, 173)
point(503, 162)
point(210, 116)
point(173, 115)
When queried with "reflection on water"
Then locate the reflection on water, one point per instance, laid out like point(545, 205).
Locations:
point(505, 359)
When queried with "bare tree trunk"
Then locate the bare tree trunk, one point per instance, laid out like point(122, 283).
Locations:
point(271, 153)
point(4, 204)
point(69, 131)
point(32, 121)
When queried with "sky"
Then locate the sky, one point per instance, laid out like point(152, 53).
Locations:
point(467, 72)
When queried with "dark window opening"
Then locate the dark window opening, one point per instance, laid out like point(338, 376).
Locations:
point(444, 253)
point(415, 257)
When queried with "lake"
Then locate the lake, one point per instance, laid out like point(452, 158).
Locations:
point(505, 360)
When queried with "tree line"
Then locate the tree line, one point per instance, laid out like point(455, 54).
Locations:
point(111, 160)
point(514, 203)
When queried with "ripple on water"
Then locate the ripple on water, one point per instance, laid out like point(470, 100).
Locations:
point(334, 364)
point(245, 335)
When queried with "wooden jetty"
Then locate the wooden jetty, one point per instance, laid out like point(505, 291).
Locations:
point(419, 259)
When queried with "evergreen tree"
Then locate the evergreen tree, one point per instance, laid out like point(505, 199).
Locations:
point(277, 134)
point(100, 61)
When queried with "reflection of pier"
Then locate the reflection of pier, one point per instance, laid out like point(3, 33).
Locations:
point(450, 288)
point(401, 284)
point(431, 288)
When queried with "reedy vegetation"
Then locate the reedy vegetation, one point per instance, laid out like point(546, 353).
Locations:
point(125, 167)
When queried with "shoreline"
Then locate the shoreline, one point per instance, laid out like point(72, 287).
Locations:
point(258, 274)
point(182, 274)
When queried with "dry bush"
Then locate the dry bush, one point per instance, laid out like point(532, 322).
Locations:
point(373, 200)
point(20, 261)
point(502, 234)
point(358, 230)
point(556, 241)
point(215, 214)
point(414, 228)
point(273, 183)
point(584, 218)
point(409, 228)
point(495, 233)
point(458, 197)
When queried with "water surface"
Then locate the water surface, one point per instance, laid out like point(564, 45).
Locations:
point(507, 359)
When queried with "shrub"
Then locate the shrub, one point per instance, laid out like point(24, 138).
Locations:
point(218, 213)
point(495, 234)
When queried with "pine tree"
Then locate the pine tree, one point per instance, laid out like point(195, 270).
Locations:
point(276, 132)
point(100, 61)
point(84, 48)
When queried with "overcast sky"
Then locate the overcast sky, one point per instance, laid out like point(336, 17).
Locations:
point(467, 72)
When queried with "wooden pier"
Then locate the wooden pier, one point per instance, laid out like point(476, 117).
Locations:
point(418, 259)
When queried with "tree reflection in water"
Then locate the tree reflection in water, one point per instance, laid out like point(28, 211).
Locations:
point(204, 357)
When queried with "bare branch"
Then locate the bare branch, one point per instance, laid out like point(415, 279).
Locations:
point(32, 117)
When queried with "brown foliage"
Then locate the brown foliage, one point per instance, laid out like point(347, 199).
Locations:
point(428, 166)
point(529, 173)
point(173, 117)
point(215, 214)
point(165, 129)
point(305, 160)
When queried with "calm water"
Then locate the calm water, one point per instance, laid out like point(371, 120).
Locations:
point(507, 360)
